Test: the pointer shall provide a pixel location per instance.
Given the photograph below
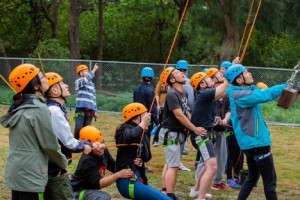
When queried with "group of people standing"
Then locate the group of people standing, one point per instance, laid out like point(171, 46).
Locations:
point(207, 108)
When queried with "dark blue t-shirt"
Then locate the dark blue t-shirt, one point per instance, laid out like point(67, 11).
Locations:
point(204, 109)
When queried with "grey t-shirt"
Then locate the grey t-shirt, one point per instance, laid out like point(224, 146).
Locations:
point(174, 100)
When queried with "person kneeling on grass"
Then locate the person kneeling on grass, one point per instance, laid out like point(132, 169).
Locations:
point(89, 176)
point(132, 156)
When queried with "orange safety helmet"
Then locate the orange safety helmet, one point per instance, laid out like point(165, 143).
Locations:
point(90, 133)
point(165, 74)
point(210, 72)
point(80, 68)
point(196, 79)
point(261, 85)
point(53, 78)
point(22, 75)
point(132, 110)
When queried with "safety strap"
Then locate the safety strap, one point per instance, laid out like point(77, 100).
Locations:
point(81, 194)
point(41, 195)
point(209, 137)
point(229, 133)
point(171, 142)
point(131, 187)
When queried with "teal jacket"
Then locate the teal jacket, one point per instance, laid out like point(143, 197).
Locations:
point(31, 143)
point(249, 127)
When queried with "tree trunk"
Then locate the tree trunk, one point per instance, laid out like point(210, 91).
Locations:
point(53, 20)
point(35, 14)
point(74, 39)
point(7, 68)
point(99, 72)
point(229, 38)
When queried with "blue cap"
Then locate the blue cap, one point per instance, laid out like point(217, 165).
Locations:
point(147, 72)
point(182, 64)
point(226, 64)
point(233, 72)
point(204, 70)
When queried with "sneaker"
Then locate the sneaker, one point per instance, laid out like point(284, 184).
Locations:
point(220, 186)
point(237, 181)
point(184, 168)
point(185, 153)
point(232, 183)
point(154, 144)
point(208, 195)
point(164, 192)
point(193, 193)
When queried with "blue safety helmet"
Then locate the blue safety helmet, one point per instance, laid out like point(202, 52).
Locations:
point(147, 72)
point(232, 72)
point(182, 64)
point(226, 64)
point(204, 70)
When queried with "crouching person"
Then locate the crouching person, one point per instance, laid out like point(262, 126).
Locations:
point(132, 156)
point(89, 177)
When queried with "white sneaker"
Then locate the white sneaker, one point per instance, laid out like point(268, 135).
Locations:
point(183, 168)
point(193, 193)
point(208, 195)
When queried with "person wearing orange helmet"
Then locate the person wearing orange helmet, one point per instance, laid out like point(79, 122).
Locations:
point(136, 120)
point(174, 127)
point(222, 115)
point(86, 107)
point(31, 139)
point(204, 115)
point(89, 177)
point(57, 94)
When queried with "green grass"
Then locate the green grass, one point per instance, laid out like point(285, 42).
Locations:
point(286, 151)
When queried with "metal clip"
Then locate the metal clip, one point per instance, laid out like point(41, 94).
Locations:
point(291, 81)
point(139, 150)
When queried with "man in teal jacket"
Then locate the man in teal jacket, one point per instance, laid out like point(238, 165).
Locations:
point(250, 129)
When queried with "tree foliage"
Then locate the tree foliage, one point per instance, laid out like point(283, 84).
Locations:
point(143, 30)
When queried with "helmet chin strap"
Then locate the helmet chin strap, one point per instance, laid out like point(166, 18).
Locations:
point(245, 81)
point(218, 80)
point(60, 96)
point(182, 83)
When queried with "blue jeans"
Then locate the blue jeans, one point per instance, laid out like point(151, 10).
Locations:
point(258, 164)
point(141, 191)
point(83, 118)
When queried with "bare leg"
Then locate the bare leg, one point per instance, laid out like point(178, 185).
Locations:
point(170, 179)
point(208, 174)
point(197, 186)
point(164, 175)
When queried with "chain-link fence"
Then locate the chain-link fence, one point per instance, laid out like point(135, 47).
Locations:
point(115, 81)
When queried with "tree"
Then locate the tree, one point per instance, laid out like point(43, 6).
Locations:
point(53, 20)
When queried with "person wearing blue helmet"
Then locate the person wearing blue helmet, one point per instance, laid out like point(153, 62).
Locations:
point(250, 129)
point(224, 66)
point(144, 94)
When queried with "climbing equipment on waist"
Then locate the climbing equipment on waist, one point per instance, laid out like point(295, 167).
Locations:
point(210, 137)
point(41, 195)
point(81, 195)
point(177, 139)
point(131, 186)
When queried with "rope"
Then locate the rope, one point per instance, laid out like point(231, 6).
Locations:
point(245, 29)
point(169, 55)
point(7, 83)
point(248, 39)
point(41, 63)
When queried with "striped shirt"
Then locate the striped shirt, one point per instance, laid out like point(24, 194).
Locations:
point(85, 92)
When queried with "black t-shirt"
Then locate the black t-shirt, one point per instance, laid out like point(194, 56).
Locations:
point(174, 100)
point(90, 169)
point(204, 110)
point(222, 106)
